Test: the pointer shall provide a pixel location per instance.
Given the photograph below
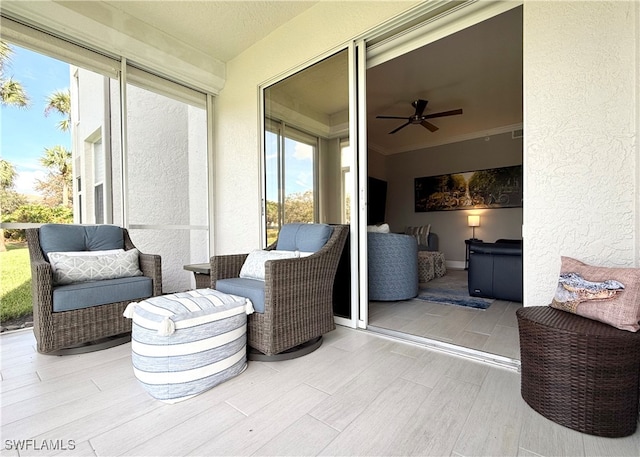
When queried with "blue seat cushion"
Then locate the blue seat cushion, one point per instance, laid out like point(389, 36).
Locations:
point(253, 289)
point(71, 237)
point(303, 237)
point(93, 293)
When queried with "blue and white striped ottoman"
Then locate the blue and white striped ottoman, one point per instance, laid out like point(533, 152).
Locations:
point(186, 343)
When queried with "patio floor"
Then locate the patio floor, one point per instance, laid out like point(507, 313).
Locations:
point(359, 394)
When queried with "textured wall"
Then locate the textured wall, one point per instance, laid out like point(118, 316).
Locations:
point(581, 138)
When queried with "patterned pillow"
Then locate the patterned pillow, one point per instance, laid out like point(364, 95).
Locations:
point(72, 267)
point(421, 234)
point(609, 295)
point(382, 228)
point(253, 266)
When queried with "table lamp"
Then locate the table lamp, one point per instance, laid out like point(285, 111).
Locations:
point(473, 221)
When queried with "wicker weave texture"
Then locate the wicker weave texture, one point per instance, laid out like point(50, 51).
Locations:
point(298, 295)
point(579, 373)
point(61, 330)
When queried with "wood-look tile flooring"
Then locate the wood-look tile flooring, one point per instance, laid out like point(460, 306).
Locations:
point(358, 394)
point(493, 330)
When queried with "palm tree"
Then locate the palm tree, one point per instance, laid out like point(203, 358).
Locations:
point(11, 91)
point(8, 177)
point(58, 160)
point(60, 101)
point(8, 174)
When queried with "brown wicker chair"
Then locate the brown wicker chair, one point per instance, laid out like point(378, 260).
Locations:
point(86, 329)
point(298, 299)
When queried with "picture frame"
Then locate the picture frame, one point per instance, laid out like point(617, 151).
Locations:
point(489, 188)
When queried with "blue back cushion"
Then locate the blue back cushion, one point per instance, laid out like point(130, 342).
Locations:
point(303, 237)
point(68, 237)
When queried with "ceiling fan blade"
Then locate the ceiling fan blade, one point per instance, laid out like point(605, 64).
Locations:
point(429, 126)
point(453, 112)
point(401, 127)
point(391, 117)
point(419, 105)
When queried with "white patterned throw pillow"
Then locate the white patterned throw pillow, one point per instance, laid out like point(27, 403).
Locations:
point(71, 267)
point(253, 266)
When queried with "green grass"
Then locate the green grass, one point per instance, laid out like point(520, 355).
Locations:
point(15, 282)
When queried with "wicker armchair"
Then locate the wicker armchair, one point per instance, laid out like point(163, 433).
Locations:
point(87, 328)
point(298, 299)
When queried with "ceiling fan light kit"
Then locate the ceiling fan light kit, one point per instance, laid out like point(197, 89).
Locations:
point(419, 117)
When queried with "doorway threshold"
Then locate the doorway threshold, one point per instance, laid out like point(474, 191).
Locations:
point(448, 348)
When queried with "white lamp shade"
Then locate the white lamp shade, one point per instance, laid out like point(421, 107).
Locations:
point(474, 221)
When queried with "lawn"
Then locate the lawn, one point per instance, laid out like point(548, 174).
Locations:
point(15, 283)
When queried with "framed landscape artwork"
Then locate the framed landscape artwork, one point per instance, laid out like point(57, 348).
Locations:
point(492, 188)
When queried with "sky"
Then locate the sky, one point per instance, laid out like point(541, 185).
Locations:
point(25, 133)
point(299, 167)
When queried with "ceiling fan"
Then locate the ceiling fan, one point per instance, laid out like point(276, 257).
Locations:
point(419, 117)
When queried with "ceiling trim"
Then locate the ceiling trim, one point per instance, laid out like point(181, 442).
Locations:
point(455, 139)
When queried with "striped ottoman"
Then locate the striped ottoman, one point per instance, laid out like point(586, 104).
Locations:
point(186, 343)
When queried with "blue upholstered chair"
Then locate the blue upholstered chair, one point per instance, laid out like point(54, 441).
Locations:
point(290, 285)
point(83, 277)
point(393, 266)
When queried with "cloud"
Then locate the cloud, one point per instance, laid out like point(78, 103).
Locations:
point(26, 181)
point(303, 151)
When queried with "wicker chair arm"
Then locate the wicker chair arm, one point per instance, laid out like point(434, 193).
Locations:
point(151, 266)
point(226, 266)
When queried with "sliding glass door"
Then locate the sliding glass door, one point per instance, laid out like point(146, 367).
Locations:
point(308, 164)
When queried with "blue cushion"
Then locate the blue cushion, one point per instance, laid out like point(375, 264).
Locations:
point(71, 237)
point(253, 289)
point(303, 237)
point(93, 293)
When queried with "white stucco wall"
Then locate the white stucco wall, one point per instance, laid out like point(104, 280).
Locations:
point(237, 176)
point(581, 64)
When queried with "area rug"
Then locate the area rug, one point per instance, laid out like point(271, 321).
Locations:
point(453, 296)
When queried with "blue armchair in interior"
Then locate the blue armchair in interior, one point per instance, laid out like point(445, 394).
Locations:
point(83, 277)
point(291, 287)
point(393, 266)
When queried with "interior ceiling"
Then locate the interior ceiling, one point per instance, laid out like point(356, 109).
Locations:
point(478, 69)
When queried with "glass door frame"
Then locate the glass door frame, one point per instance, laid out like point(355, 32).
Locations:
point(351, 321)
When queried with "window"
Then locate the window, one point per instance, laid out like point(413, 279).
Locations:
point(98, 183)
point(149, 173)
point(290, 162)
